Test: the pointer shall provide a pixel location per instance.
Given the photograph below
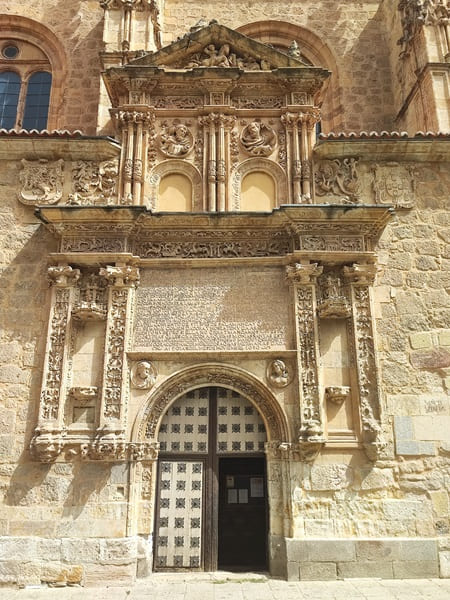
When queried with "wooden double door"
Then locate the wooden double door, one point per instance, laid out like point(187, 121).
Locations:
point(212, 509)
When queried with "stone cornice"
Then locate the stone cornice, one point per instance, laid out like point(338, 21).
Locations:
point(383, 147)
point(18, 145)
point(95, 235)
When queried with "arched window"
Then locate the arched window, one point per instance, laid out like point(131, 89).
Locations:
point(10, 84)
point(37, 101)
point(25, 86)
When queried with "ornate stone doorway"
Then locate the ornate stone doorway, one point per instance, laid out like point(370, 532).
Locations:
point(211, 470)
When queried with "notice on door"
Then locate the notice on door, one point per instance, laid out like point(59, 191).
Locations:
point(256, 487)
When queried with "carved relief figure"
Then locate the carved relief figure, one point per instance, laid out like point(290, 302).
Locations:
point(278, 373)
point(394, 184)
point(258, 139)
point(42, 181)
point(212, 56)
point(93, 183)
point(143, 375)
point(176, 140)
point(338, 178)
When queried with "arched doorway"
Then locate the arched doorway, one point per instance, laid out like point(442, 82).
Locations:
point(211, 500)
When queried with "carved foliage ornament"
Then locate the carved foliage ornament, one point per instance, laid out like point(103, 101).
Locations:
point(42, 181)
point(222, 56)
point(394, 184)
point(258, 139)
point(338, 178)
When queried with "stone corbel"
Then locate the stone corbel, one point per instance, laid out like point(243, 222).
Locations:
point(361, 278)
point(303, 278)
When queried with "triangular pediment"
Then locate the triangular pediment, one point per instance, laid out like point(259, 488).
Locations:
point(217, 46)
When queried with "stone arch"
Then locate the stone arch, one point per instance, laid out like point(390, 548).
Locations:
point(25, 29)
point(281, 34)
point(207, 375)
point(259, 164)
point(171, 167)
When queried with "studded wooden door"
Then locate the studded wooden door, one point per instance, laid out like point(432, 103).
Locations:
point(198, 430)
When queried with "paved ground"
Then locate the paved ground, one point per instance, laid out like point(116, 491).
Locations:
point(225, 586)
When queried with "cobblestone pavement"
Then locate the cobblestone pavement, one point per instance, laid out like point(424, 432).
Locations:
point(226, 586)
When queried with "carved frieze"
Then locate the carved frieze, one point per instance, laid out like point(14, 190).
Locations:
point(93, 182)
point(394, 184)
point(332, 243)
point(338, 179)
point(92, 244)
point(42, 181)
point(186, 102)
point(257, 102)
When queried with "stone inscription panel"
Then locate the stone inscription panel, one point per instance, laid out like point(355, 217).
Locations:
point(213, 309)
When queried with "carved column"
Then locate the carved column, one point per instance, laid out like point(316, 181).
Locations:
point(303, 281)
point(136, 127)
point(360, 278)
point(47, 442)
point(122, 281)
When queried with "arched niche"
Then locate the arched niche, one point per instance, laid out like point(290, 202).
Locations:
point(271, 172)
point(149, 418)
point(179, 178)
point(14, 27)
point(258, 192)
point(281, 35)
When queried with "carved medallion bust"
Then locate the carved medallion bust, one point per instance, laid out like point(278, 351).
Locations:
point(258, 139)
point(278, 373)
point(143, 375)
point(176, 141)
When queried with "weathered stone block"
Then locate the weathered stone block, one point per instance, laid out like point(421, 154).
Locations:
point(421, 340)
point(330, 550)
point(377, 479)
point(403, 428)
point(79, 550)
point(411, 448)
point(331, 477)
point(115, 575)
point(444, 338)
point(438, 358)
point(377, 550)
point(419, 550)
point(371, 569)
point(318, 571)
point(119, 473)
point(293, 571)
point(118, 552)
point(55, 573)
point(296, 550)
point(415, 569)
point(19, 548)
point(444, 564)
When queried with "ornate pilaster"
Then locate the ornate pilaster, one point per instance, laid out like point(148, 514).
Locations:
point(299, 139)
point(122, 281)
point(47, 442)
point(123, 17)
point(137, 129)
point(303, 278)
point(360, 278)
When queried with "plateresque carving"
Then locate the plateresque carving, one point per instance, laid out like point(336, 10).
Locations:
point(93, 183)
point(337, 394)
point(334, 304)
point(213, 56)
point(176, 141)
point(338, 178)
point(42, 181)
point(417, 13)
point(143, 375)
point(258, 139)
point(278, 373)
point(394, 184)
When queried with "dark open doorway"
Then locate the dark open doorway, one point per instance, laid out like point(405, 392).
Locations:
point(242, 522)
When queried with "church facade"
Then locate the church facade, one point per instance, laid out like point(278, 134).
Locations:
point(225, 307)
